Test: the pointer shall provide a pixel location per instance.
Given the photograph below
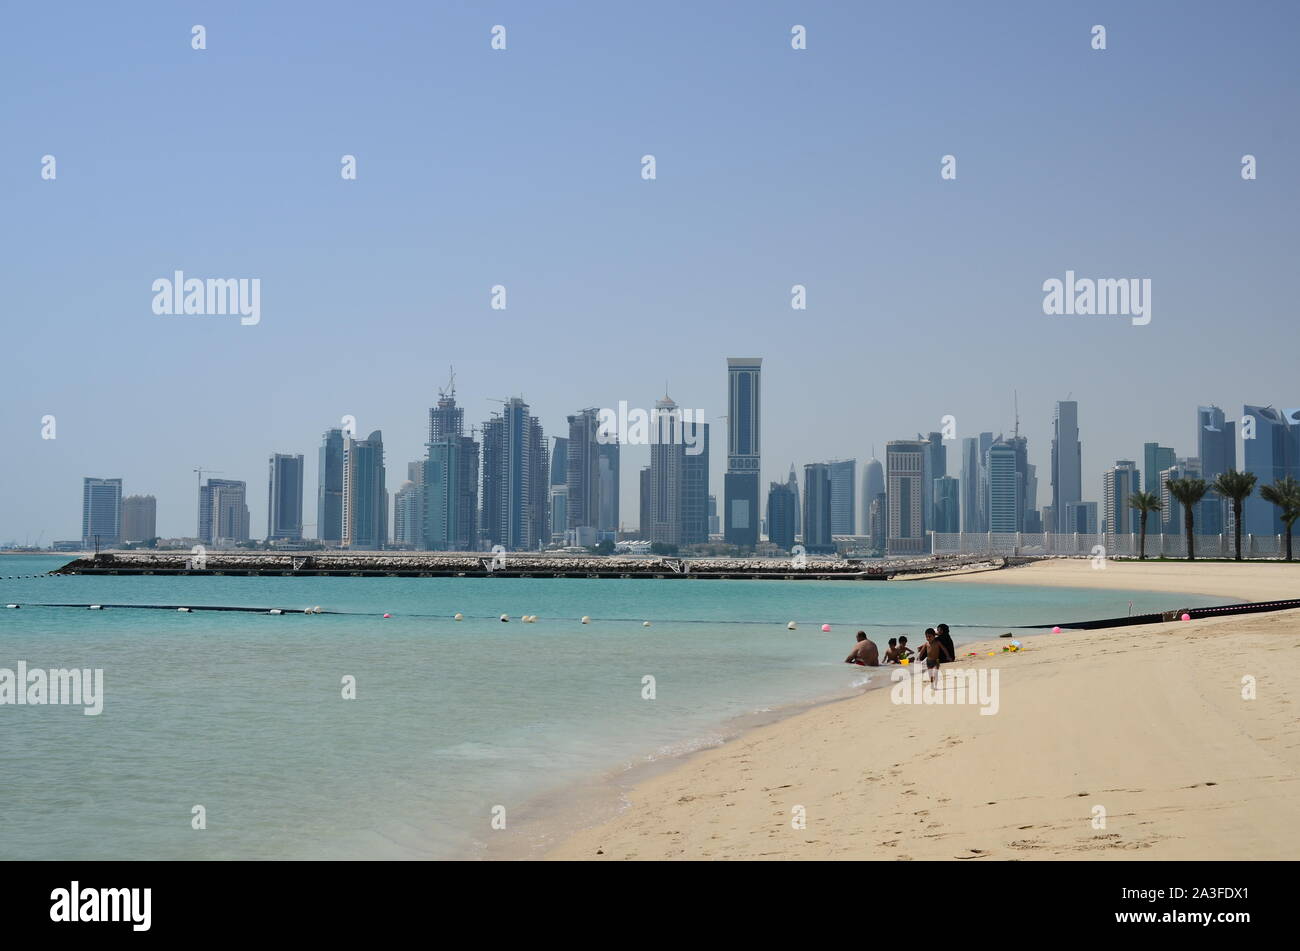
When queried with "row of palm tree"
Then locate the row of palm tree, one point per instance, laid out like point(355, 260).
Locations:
point(1233, 485)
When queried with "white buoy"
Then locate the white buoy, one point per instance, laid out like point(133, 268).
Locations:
point(275, 611)
point(645, 623)
point(585, 619)
point(459, 616)
point(11, 605)
point(96, 607)
point(505, 618)
point(184, 610)
point(792, 626)
point(316, 610)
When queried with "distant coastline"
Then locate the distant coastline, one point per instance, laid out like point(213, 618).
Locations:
point(513, 565)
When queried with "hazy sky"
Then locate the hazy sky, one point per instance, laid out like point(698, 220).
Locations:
point(522, 167)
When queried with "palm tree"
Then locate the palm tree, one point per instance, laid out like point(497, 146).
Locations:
point(1285, 494)
point(1236, 486)
point(1145, 503)
point(1188, 492)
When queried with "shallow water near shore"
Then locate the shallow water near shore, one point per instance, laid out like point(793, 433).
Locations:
point(243, 714)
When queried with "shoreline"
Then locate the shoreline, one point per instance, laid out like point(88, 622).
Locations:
point(724, 801)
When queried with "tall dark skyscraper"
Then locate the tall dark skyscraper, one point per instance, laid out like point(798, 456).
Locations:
point(905, 465)
point(1067, 456)
point(1216, 447)
point(583, 473)
point(284, 498)
point(607, 475)
point(817, 508)
point(1155, 459)
point(782, 503)
point(744, 456)
point(329, 495)
point(695, 487)
point(646, 489)
point(843, 477)
point(667, 462)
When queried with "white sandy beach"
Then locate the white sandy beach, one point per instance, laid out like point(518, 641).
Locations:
point(1145, 726)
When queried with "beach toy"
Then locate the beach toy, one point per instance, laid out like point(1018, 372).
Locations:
point(505, 618)
point(826, 628)
point(1015, 643)
point(991, 653)
point(791, 626)
point(459, 616)
point(1187, 617)
point(1056, 630)
point(387, 615)
point(905, 661)
point(585, 619)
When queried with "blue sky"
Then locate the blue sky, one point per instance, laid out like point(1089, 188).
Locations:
point(522, 167)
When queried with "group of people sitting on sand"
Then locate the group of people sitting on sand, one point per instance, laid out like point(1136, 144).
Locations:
point(936, 650)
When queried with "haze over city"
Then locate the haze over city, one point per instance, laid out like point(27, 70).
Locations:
point(515, 168)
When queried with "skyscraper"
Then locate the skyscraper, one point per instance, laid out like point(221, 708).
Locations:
point(666, 475)
point(329, 495)
point(842, 473)
point(645, 490)
point(583, 473)
point(1216, 446)
point(792, 481)
point(970, 485)
point(947, 505)
point(1272, 453)
point(408, 515)
point(1118, 483)
point(695, 487)
point(516, 499)
point(817, 508)
point(1155, 459)
point(873, 484)
point(1081, 517)
point(223, 512)
point(936, 466)
point(284, 498)
point(905, 465)
point(139, 518)
point(560, 462)
point(101, 512)
point(1067, 456)
point(782, 501)
point(1005, 484)
point(365, 492)
point(744, 429)
point(449, 480)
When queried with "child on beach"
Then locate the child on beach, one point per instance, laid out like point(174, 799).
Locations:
point(891, 653)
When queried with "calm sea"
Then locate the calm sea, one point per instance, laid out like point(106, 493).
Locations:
point(243, 714)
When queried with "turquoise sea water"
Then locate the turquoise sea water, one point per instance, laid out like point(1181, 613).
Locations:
point(243, 713)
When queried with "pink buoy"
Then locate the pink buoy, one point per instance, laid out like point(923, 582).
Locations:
point(826, 628)
point(1056, 630)
point(387, 615)
point(1187, 617)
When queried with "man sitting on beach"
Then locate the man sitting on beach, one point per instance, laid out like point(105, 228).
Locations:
point(865, 653)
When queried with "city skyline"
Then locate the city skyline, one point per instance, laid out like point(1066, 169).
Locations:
point(1281, 442)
